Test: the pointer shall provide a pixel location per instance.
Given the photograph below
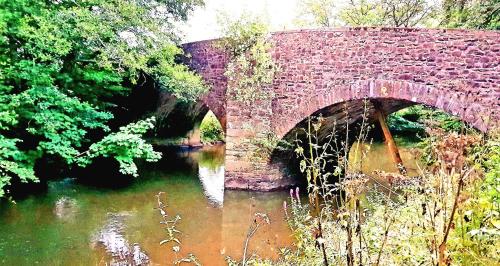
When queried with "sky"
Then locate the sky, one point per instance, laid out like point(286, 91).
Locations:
point(203, 25)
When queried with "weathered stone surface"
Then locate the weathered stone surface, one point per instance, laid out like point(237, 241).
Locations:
point(454, 70)
point(210, 62)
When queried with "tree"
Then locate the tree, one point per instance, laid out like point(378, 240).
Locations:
point(474, 14)
point(391, 13)
point(319, 13)
point(362, 13)
point(251, 68)
point(64, 62)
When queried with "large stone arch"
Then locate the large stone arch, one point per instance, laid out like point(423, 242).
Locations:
point(391, 92)
point(454, 70)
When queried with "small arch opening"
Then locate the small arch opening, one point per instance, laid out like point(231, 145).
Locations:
point(182, 123)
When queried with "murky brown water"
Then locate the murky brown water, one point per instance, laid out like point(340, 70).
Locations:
point(73, 224)
point(378, 158)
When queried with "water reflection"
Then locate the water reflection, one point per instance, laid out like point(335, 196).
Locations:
point(65, 208)
point(111, 236)
point(210, 162)
point(57, 228)
point(377, 158)
point(213, 184)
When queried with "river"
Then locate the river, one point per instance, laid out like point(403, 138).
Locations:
point(76, 224)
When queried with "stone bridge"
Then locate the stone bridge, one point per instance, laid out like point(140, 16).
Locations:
point(326, 71)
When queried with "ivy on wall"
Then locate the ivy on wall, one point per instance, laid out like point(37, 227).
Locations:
point(251, 67)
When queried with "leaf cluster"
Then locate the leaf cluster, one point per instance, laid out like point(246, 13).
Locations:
point(125, 145)
point(65, 64)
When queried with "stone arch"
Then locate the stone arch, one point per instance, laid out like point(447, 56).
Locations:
point(181, 119)
point(210, 62)
point(202, 109)
point(412, 93)
point(333, 112)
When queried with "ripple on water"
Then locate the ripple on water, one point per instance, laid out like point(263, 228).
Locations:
point(111, 237)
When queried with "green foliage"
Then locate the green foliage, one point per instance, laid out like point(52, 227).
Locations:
point(478, 225)
point(241, 34)
point(316, 13)
point(125, 146)
point(389, 13)
point(471, 14)
point(14, 163)
point(210, 129)
point(59, 121)
point(446, 216)
point(362, 13)
point(64, 63)
point(398, 123)
point(416, 118)
point(251, 68)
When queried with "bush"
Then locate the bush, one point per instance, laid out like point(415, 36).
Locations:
point(414, 119)
point(210, 129)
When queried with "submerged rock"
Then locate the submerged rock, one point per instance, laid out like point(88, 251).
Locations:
point(111, 236)
point(65, 208)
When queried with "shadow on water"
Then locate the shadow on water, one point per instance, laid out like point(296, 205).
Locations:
point(103, 173)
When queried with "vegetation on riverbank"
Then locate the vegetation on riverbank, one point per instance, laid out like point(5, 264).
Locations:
point(412, 120)
point(66, 67)
point(448, 214)
point(211, 130)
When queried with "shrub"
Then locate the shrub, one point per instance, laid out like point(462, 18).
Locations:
point(447, 215)
point(210, 129)
point(414, 119)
